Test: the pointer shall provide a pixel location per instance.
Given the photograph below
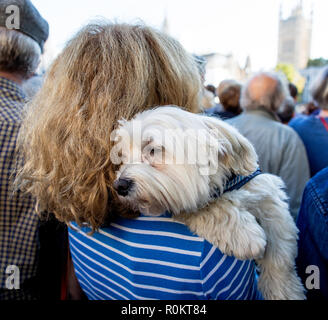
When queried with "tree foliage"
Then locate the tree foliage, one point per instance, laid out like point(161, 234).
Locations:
point(318, 62)
point(292, 75)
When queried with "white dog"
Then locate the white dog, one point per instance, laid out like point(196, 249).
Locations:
point(182, 162)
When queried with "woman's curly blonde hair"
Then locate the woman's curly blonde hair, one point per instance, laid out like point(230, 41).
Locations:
point(105, 73)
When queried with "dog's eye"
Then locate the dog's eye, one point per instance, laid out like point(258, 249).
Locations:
point(154, 151)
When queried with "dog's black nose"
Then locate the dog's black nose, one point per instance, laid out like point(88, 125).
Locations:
point(123, 186)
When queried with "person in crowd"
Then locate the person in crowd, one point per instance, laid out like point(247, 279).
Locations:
point(211, 88)
point(312, 259)
point(286, 112)
point(293, 91)
point(311, 108)
point(20, 52)
point(66, 141)
point(280, 150)
point(229, 95)
point(207, 101)
point(313, 129)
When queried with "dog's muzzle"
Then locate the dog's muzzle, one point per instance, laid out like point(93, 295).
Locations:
point(123, 186)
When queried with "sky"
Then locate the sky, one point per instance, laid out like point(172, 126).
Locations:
point(240, 27)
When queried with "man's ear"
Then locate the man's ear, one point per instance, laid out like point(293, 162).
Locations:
point(238, 154)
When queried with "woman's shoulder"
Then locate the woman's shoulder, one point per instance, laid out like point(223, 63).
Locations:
point(303, 121)
point(156, 233)
point(161, 245)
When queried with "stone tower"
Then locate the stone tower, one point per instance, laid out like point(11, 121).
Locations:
point(295, 37)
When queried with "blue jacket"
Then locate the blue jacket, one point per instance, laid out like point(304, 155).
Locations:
point(315, 138)
point(313, 239)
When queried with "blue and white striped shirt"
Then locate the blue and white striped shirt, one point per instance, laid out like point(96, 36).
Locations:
point(156, 258)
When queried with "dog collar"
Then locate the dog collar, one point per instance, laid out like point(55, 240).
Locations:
point(236, 182)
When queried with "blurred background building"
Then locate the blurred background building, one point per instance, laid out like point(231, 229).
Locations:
point(295, 33)
point(219, 66)
point(225, 66)
point(294, 48)
point(236, 37)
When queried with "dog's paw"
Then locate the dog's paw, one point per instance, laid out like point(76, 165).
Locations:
point(255, 249)
point(246, 244)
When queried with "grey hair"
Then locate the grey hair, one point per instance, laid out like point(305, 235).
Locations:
point(271, 100)
point(18, 53)
point(319, 89)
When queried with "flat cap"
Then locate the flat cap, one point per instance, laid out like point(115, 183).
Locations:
point(26, 19)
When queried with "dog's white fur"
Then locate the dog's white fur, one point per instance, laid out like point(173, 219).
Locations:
point(250, 223)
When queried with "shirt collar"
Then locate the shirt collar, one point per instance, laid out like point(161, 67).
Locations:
point(261, 111)
point(11, 87)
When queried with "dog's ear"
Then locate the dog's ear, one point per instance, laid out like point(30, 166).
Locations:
point(238, 154)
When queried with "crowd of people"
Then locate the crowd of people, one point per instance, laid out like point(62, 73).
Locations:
point(57, 176)
point(290, 145)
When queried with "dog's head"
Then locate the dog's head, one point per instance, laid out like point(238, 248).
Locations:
point(172, 160)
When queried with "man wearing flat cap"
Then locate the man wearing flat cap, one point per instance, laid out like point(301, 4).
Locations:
point(23, 33)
